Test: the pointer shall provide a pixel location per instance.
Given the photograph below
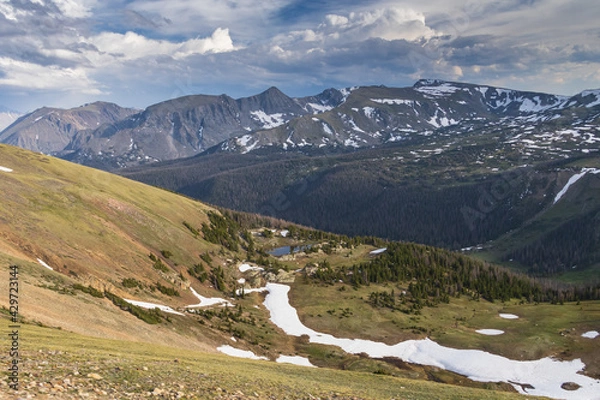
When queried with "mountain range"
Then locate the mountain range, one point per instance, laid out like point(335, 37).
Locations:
point(108, 136)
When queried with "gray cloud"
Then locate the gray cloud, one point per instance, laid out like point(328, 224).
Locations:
point(142, 51)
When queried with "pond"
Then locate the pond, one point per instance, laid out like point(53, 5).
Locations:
point(285, 250)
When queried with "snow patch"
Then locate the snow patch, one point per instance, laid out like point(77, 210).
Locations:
point(543, 377)
point(247, 267)
point(574, 179)
point(444, 89)
point(591, 335)
point(232, 351)
point(595, 93)
point(4, 169)
point(394, 102)
point(268, 120)
point(319, 108)
point(208, 301)
point(151, 306)
point(369, 111)
point(378, 251)
point(490, 332)
point(509, 316)
point(296, 360)
point(43, 264)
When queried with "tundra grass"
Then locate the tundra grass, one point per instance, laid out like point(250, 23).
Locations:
point(542, 330)
point(120, 368)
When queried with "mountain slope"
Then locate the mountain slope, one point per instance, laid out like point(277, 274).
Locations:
point(7, 117)
point(88, 246)
point(93, 228)
point(50, 130)
point(463, 196)
point(433, 109)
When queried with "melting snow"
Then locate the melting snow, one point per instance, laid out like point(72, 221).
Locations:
point(574, 179)
point(351, 142)
point(243, 141)
point(232, 351)
point(268, 120)
point(595, 93)
point(327, 129)
point(545, 375)
point(4, 169)
point(296, 360)
point(208, 301)
point(378, 251)
point(43, 264)
point(509, 316)
point(490, 332)
point(247, 267)
point(319, 108)
point(394, 101)
point(150, 306)
point(591, 335)
point(440, 90)
point(369, 112)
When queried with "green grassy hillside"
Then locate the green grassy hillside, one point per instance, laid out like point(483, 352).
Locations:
point(69, 366)
point(107, 239)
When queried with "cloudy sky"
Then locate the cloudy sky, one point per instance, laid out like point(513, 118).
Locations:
point(135, 53)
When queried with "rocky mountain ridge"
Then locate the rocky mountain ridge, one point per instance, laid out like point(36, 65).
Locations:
point(375, 116)
point(7, 117)
point(52, 130)
point(110, 137)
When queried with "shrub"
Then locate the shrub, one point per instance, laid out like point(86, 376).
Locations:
point(89, 290)
point(131, 283)
point(169, 291)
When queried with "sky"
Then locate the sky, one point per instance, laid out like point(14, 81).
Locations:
point(64, 53)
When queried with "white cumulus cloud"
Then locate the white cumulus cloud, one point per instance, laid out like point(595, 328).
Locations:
point(74, 8)
point(131, 46)
point(391, 23)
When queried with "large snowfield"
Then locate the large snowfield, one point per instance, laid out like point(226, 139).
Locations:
point(542, 377)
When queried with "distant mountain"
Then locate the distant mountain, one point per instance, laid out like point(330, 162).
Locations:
point(7, 117)
point(374, 116)
point(188, 125)
point(107, 136)
point(51, 130)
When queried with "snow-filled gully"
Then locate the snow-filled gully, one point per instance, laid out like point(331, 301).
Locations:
point(542, 377)
point(574, 179)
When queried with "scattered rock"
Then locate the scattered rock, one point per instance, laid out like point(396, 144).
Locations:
point(570, 386)
point(94, 376)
